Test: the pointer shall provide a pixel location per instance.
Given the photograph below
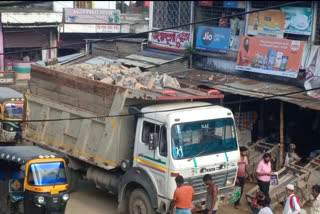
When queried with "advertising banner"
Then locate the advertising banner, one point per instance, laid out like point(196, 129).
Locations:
point(170, 40)
point(298, 20)
point(269, 23)
point(280, 57)
point(91, 16)
point(213, 39)
point(313, 72)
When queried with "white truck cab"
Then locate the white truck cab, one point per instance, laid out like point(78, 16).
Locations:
point(199, 139)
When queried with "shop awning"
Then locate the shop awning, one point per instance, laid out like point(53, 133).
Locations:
point(248, 87)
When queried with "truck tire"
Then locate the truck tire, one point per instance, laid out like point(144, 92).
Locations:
point(139, 203)
point(73, 179)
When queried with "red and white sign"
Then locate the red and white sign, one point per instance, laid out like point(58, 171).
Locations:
point(170, 40)
point(205, 3)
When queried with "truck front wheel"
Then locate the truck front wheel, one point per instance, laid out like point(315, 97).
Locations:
point(139, 203)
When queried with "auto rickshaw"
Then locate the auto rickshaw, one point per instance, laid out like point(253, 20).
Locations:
point(11, 113)
point(35, 181)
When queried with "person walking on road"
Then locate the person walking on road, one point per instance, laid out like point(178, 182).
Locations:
point(263, 208)
point(182, 198)
point(264, 173)
point(315, 207)
point(292, 203)
point(242, 172)
point(212, 195)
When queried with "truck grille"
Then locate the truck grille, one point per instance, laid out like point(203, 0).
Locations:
point(220, 178)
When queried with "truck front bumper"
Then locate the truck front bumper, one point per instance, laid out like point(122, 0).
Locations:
point(225, 196)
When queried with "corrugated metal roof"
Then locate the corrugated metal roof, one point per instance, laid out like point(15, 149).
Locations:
point(149, 58)
point(249, 87)
point(99, 60)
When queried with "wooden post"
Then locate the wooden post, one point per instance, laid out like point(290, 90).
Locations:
point(281, 134)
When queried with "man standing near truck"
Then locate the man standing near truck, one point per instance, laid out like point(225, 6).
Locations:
point(242, 172)
point(264, 173)
point(182, 198)
point(212, 194)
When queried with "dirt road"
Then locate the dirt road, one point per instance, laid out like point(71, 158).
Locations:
point(89, 200)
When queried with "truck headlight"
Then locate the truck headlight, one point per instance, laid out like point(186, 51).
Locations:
point(41, 200)
point(230, 182)
point(65, 197)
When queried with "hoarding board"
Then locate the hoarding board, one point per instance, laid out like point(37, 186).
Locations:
point(298, 20)
point(268, 23)
point(280, 57)
point(91, 16)
point(213, 39)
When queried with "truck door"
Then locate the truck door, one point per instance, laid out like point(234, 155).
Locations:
point(154, 161)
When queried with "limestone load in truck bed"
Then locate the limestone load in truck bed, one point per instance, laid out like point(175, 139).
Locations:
point(119, 75)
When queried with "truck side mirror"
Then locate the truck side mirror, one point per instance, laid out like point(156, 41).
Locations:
point(153, 141)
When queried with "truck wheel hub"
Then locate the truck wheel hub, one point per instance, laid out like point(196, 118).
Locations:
point(139, 207)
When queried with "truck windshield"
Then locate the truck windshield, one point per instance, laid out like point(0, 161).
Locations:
point(202, 138)
point(44, 174)
point(13, 110)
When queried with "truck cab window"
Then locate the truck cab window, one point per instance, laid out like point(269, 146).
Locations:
point(163, 148)
point(147, 129)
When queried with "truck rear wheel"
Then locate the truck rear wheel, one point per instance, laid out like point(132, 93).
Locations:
point(139, 203)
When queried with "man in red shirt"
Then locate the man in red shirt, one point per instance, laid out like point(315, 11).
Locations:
point(182, 198)
point(223, 22)
point(242, 172)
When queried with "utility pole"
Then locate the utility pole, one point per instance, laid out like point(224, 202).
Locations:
point(1, 46)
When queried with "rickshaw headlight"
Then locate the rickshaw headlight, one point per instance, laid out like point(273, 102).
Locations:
point(40, 200)
point(65, 197)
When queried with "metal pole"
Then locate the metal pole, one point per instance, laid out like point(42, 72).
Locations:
point(191, 30)
point(314, 21)
point(150, 19)
point(248, 8)
point(1, 46)
point(281, 133)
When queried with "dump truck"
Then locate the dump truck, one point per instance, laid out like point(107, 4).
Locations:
point(134, 143)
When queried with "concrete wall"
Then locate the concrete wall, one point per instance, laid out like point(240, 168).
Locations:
point(59, 5)
point(31, 18)
point(104, 4)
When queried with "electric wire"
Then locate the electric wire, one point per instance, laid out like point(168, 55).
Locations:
point(162, 29)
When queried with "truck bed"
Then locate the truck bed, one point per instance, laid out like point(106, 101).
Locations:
point(100, 139)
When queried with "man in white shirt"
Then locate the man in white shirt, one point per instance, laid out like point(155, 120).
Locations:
point(291, 155)
point(263, 209)
point(315, 208)
point(291, 205)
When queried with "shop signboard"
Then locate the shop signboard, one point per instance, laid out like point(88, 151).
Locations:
point(298, 20)
point(170, 40)
point(214, 39)
point(280, 57)
point(205, 3)
point(234, 4)
point(91, 16)
point(7, 78)
point(268, 23)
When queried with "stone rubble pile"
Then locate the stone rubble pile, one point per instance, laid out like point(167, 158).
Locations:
point(119, 75)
